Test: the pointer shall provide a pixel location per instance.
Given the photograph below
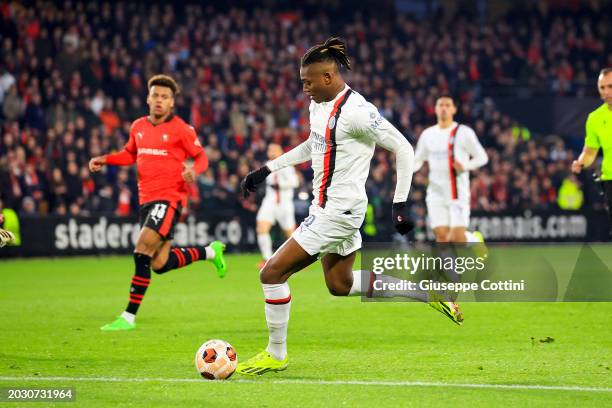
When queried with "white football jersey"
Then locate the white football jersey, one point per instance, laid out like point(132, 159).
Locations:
point(280, 186)
point(343, 135)
point(439, 147)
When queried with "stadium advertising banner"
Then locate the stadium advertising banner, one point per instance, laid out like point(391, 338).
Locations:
point(58, 236)
point(570, 226)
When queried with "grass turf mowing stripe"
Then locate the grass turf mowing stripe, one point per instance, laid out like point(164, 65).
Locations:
point(323, 382)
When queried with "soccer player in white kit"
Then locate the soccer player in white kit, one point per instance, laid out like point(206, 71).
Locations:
point(277, 205)
point(452, 150)
point(345, 129)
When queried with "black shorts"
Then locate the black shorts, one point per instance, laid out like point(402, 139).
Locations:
point(160, 216)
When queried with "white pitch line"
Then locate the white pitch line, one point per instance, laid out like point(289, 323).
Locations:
point(321, 382)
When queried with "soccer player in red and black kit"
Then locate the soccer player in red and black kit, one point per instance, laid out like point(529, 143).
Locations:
point(159, 144)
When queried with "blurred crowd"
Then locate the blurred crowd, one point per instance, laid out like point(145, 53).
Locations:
point(73, 77)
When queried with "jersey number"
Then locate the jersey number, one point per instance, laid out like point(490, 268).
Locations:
point(158, 212)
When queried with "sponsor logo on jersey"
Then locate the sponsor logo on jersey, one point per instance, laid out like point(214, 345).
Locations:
point(153, 152)
point(139, 134)
point(318, 142)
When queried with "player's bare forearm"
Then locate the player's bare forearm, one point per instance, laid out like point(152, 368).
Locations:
point(586, 158)
point(96, 163)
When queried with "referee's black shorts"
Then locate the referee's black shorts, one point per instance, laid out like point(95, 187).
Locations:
point(607, 185)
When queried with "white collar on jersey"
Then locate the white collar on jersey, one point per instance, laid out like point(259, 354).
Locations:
point(333, 101)
point(447, 129)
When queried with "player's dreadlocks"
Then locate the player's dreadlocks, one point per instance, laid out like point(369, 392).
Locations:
point(166, 81)
point(333, 49)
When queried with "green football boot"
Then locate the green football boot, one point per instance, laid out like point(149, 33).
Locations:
point(447, 308)
point(219, 260)
point(119, 324)
point(262, 363)
point(450, 310)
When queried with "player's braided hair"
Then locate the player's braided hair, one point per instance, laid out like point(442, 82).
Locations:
point(333, 49)
point(164, 80)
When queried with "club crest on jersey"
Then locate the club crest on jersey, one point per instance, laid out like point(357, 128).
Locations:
point(332, 123)
point(164, 137)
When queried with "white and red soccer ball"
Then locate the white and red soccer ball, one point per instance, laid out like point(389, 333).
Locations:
point(216, 360)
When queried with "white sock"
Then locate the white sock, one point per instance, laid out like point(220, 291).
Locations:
point(358, 290)
point(129, 317)
point(210, 253)
point(278, 305)
point(265, 245)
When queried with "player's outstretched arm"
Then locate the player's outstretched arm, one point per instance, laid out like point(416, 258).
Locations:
point(388, 137)
point(122, 158)
point(125, 157)
point(297, 155)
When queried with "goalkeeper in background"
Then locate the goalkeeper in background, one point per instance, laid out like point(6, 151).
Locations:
point(599, 135)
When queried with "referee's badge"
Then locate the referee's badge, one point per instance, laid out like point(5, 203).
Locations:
point(332, 123)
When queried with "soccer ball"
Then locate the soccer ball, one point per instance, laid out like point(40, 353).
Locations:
point(216, 360)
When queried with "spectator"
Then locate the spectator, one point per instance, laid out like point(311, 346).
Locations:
point(11, 107)
point(69, 93)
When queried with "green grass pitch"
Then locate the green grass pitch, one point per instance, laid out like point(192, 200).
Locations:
point(343, 352)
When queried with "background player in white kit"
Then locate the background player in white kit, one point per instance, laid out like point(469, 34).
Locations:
point(277, 205)
point(452, 150)
point(344, 130)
